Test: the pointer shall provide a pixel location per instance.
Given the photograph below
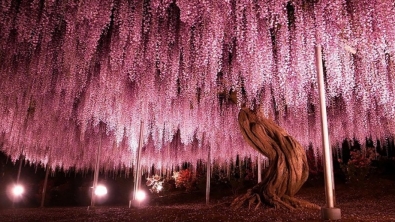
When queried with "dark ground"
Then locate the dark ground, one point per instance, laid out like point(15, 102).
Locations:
point(373, 200)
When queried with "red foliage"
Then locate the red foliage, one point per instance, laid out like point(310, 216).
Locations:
point(184, 179)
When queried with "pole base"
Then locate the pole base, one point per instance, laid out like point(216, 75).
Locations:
point(330, 213)
point(135, 204)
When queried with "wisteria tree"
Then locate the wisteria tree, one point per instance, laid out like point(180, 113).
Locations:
point(68, 68)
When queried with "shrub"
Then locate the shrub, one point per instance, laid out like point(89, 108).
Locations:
point(156, 184)
point(358, 167)
point(184, 179)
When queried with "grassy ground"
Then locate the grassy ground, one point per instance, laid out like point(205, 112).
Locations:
point(373, 200)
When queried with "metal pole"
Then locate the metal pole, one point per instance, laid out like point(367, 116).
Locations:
point(208, 176)
point(259, 168)
point(45, 185)
point(20, 168)
point(21, 158)
point(329, 212)
point(138, 163)
point(96, 173)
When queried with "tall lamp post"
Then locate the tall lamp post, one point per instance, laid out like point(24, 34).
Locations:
point(208, 176)
point(47, 169)
point(259, 168)
point(96, 173)
point(136, 189)
point(18, 189)
point(329, 212)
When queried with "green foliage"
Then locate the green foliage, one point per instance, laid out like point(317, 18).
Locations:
point(236, 185)
point(314, 161)
point(242, 176)
point(358, 167)
point(385, 166)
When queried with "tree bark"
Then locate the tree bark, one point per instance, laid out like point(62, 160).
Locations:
point(288, 168)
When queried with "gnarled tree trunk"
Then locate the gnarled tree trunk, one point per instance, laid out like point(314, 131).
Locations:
point(288, 167)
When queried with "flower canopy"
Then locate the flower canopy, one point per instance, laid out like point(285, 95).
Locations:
point(78, 74)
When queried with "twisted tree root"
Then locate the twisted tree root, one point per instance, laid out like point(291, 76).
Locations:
point(287, 202)
point(288, 168)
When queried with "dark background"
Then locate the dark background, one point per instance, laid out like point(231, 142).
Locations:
point(69, 188)
point(73, 188)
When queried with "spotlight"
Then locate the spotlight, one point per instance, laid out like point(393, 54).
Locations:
point(100, 191)
point(140, 195)
point(18, 190)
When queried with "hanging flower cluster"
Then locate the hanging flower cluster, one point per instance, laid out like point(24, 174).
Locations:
point(77, 75)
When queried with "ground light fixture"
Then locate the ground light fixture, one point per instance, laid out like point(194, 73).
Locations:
point(140, 195)
point(100, 190)
point(15, 193)
point(18, 190)
point(138, 198)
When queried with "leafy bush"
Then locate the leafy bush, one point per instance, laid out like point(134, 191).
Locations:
point(156, 183)
point(358, 167)
point(184, 179)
